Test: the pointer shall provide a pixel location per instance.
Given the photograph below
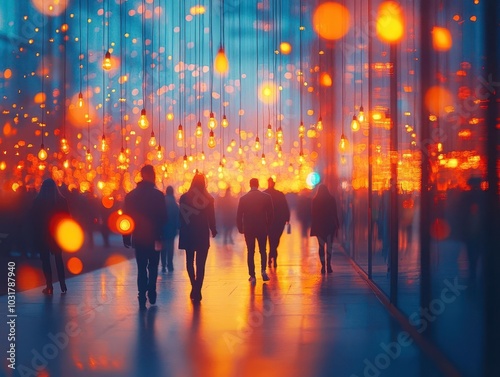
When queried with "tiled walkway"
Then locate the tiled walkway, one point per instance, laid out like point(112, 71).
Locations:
point(299, 324)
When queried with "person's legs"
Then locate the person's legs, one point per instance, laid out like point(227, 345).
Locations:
point(262, 240)
point(163, 257)
point(274, 241)
point(329, 252)
point(321, 252)
point(60, 271)
point(142, 275)
point(190, 266)
point(250, 241)
point(170, 253)
point(153, 260)
point(47, 269)
point(201, 259)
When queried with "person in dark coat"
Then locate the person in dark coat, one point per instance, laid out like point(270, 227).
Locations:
point(324, 224)
point(146, 206)
point(197, 220)
point(49, 207)
point(170, 231)
point(280, 218)
point(254, 217)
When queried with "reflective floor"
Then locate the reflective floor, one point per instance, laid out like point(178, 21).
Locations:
point(300, 323)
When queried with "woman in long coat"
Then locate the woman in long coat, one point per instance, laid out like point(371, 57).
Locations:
point(48, 207)
point(197, 220)
point(324, 224)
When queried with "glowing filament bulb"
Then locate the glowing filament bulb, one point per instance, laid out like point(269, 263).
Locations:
point(88, 156)
point(80, 99)
point(211, 139)
point(343, 143)
point(180, 133)
point(361, 115)
point(199, 130)
point(269, 132)
point(240, 150)
point(203, 156)
point(159, 153)
point(263, 159)
point(301, 157)
point(185, 161)
point(143, 120)
point(355, 123)
point(301, 129)
point(122, 157)
point(104, 143)
point(106, 63)
point(224, 123)
point(319, 124)
point(212, 123)
point(279, 135)
point(152, 140)
point(42, 153)
point(66, 164)
point(221, 64)
point(280, 153)
point(257, 143)
point(64, 145)
point(277, 146)
point(224, 160)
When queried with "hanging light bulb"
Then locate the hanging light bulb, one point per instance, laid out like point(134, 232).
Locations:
point(361, 115)
point(199, 130)
point(211, 139)
point(180, 133)
point(190, 158)
point(224, 160)
point(221, 167)
point(224, 123)
point(152, 140)
point(319, 124)
point(185, 161)
point(280, 152)
point(269, 132)
point(221, 64)
point(88, 156)
point(212, 122)
point(64, 145)
point(122, 157)
point(301, 157)
point(159, 153)
point(343, 144)
point(240, 150)
point(279, 135)
point(143, 120)
point(104, 143)
point(106, 63)
point(257, 143)
point(80, 99)
point(202, 156)
point(42, 153)
point(355, 123)
point(263, 159)
point(301, 129)
point(66, 164)
point(277, 146)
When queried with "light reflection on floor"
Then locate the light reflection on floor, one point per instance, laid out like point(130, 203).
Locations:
point(299, 324)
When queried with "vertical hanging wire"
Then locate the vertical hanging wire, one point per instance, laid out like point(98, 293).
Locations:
point(104, 87)
point(223, 110)
point(122, 82)
point(160, 154)
point(257, 142)
point(43, 154)
point(64, 141)
point(89, 154)
point(80, 65)
point(143, 40)
point(211, 57)
point(240, 149)
point(301, 83)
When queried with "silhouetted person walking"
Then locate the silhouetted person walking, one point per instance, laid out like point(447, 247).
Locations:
point(49, 207)
point(170, 231)
point(197, 219)
point(324, 224)
point(226, 207)
point(146, 206)
point(280, 218)
point(254, 217)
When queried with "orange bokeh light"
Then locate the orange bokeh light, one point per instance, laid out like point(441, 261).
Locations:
point(125, 224)
point(326, 79)
point(437, 99)
point(285, 48)
point(114, 259)
point(221, 64)
point(68, 234)
point(50, 7)
point(75, 265)
point(441, 39)
point(440, 229)
point(29, 277)
point(390, 21)
point(7, 74)
point(267, 92)
point(107, 201)
point(331, 20)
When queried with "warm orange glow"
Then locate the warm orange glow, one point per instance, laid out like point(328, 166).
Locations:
point(331, 20)
point(440, 229)
point(325, 79)
point(221, 64)
point(75, 265)
point(106, 63)
point(112, 221)
point(42, 153)
point(125, 224)
point(437, 99)
point(143, 120)
point(180, 133)
point(212, 122)
point(7, 74)
point(68, 235)
point(40, 98)
point(29, 277)
point(50, 7)
point(285, 48)
point(390, 21)
point(211, 140)
point(441, 39)
point(107, 201)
